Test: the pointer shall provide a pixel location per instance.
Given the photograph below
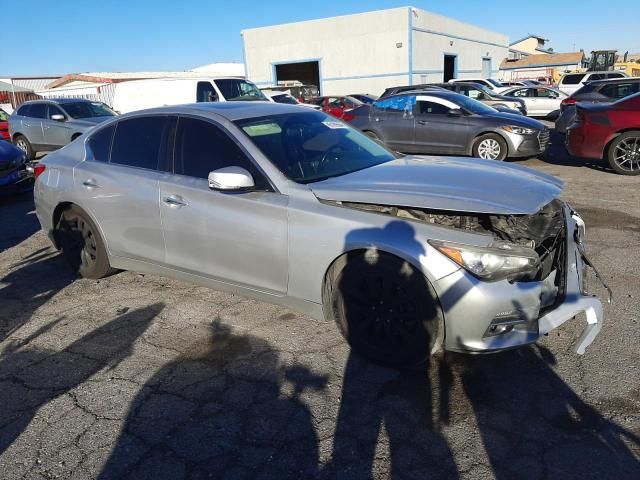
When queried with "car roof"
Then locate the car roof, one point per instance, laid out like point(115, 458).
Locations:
point(446, 94)
point(229, 110)
point(60, 101)
point(606, 81)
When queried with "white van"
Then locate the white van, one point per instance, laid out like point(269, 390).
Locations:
point(141, 94)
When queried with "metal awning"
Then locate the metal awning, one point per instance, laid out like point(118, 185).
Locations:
point(7, 87)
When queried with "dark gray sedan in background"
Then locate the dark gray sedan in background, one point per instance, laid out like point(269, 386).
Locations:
point(46, 125)
point(442, 122)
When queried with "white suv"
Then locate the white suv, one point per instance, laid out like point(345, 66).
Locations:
point(571, 82)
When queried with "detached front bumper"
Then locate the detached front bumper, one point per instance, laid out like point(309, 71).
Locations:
point(482, 317)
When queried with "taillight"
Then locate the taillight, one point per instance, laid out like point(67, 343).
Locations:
point(347, 117)
point(39, 170)
point(569, 101)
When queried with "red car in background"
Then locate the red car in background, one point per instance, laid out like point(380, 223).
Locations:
point(609, 130)
point(338, 106)
point(4, 125)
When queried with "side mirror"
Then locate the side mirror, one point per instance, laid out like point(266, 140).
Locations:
point(58, 117)
point(456, 112)
point(230, 178)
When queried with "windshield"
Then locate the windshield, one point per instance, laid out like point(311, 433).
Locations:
point(88, 110)
point(284, 99)
point(312, 146)
point(474, 106)
point(495, 83)
point(236, 89)
point(489, 93)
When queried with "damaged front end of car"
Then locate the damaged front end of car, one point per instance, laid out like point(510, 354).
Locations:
point(527, 278)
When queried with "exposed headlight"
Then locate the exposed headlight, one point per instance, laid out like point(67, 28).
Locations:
point(518, 130)
point(496, 262)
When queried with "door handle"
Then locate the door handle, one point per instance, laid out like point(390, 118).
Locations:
point(175, 201)
point(90, 183)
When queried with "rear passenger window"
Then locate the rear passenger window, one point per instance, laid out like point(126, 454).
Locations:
point(24, 110)
point(99, 144)
point(432, 108)
point(573, 79)
point(619, 90)
point(206, 92)
point(38, 110)
point(139, 141)
point(202, 147)
point(403, 104)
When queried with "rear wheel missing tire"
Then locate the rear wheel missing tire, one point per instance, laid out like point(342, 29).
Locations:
point(385, 309)
point(490, 146)
point(81, 244)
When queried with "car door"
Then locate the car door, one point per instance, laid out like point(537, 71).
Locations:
point(547, 100)
point(56, 132)
point(236, 237)
point(437, 130)
point(393, 120)
point(527, 95)
point(32, 123)
point(118, 184)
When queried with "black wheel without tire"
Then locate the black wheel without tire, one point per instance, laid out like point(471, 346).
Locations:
point(385, 309)
point(81, 244)
point(624, 153)
point(490, 146)
point(23, 144)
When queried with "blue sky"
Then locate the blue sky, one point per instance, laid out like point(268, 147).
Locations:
point(45, 37)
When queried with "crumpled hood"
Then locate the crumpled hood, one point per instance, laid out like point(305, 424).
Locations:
point(445, 183)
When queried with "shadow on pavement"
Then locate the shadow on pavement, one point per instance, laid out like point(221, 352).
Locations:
point(31, 284)
point(533, 425)
point(32, 377)
point(19, 219)
point(557, 154)
point(219, 411)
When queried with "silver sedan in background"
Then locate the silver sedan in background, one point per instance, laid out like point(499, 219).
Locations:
point(406, 254)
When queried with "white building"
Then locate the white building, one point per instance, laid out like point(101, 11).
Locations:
point(368, 52)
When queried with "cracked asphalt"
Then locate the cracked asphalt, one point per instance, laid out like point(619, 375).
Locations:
point(145, 377)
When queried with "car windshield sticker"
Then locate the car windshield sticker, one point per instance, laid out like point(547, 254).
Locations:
point(262, 129)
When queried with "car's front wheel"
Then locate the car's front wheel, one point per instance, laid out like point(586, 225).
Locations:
point(385, 308)
point(23, 144)
point(490, 146)
point(81, 244)
point(624, 153)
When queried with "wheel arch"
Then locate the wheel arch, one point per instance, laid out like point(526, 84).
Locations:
point(65, 205)
point(485, 132)
point(612, 138)
point(340, 262)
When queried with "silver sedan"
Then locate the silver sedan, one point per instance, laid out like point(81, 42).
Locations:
point(406, 254)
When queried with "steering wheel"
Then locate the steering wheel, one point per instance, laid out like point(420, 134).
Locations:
point(334, 154)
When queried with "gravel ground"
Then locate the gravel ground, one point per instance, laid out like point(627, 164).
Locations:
point(144, 377)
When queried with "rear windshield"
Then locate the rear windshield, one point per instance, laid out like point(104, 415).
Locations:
point(573, 79)
point(88, 110)
point(236, 89)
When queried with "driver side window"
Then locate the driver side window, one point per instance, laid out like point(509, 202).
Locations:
point(432, 108)
point(202, 147)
